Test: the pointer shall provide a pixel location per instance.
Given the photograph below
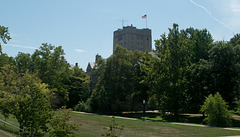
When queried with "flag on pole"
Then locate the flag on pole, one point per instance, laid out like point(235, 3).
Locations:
point(144, 16)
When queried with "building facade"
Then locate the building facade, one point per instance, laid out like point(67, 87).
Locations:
point(90, 72)
point(133, 39)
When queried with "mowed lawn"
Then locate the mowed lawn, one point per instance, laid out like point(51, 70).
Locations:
point(93, 126)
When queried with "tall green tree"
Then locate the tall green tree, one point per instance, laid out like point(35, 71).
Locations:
point(52, 68)
point(116, 83)
point(23, 62)
point(4, 35)
point(79, 87)
point(26, 98)
point(199, 76)
point(200, 85)
point(143, 80)
point(223, 62)
point(201, 43)
point(174, 52)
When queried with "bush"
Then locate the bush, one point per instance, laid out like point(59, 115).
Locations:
point(83, 106)
point(216, 110)
point(114, 130)
point(60, 124)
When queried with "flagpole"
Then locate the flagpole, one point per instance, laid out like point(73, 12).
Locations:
point(145, 17)
point(146, 22)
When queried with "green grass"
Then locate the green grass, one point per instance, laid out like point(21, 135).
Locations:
point(92, 126)
point(3, 135)
point(8, 128)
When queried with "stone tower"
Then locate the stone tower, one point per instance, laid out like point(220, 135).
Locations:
point(133, 39)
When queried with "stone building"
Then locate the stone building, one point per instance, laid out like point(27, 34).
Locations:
point(90, 72)
point(133, 39)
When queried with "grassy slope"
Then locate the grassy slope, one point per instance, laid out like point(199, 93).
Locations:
point(3, 135)
point(92, 126)
point(8, 128)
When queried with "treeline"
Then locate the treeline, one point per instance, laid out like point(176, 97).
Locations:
point(33, 85)
point(69, 84)
point(185, 68)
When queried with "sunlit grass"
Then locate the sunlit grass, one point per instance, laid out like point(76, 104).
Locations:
point(93, 126)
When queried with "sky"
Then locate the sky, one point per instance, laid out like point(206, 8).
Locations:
point(85, 28)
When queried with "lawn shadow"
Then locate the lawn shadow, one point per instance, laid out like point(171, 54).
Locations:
point(235, 122)
point(197, 119)
point(183, 118)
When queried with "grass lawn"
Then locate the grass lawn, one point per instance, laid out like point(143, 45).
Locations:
point(3, 135)
point(7, 128)
point(92, 126)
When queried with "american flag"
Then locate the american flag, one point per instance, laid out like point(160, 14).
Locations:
point(144, 16)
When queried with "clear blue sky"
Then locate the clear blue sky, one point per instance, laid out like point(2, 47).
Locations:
point(85, 27)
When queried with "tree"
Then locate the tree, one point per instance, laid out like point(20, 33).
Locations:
point(52, 68)
point(201, 43)
point(223, 62)
point(24, 96)
point(143, 80)
point(6, 60)
point(79, 88)
point(4, 35)
point(116, 82)
point(174, 52)
point(235, 40)
point(23, 62)
point(60, 125)
point(216, 109)
point(200, 85)
point(236, 79)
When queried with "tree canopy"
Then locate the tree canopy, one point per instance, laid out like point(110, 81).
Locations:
point(26, 98)
point(4, 35)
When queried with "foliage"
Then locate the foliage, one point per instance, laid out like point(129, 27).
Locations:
point(225, 71)
point(116, 82)
point(49, 64)
point(5, 60)
point(174, 52)
point(60, 124)
point(201, 43)
point(114, 130)
point(23, 62)
point(141, 84)
point(235, 40)
point(24, 96)
point(79, 88)
point(200, 81)
point(4, 35)
point(216, 109)
point(84, 106)
point(220, 72)
point(51, 67)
